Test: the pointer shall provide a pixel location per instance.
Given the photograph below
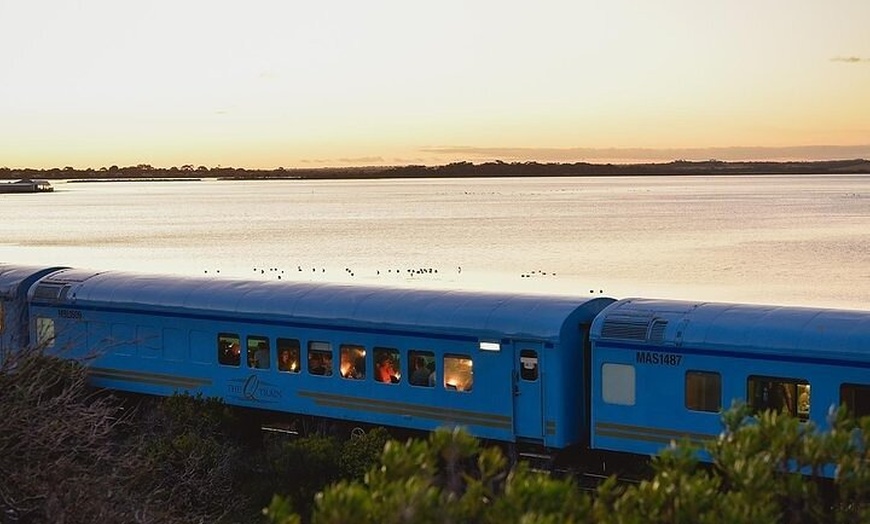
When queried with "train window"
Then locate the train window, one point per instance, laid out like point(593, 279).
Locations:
point(703, 391)
point(229, 349)
point(258, 352)
point(320, 358)
point(458, 372)
point(856, 397)
point(353, 362)
point(387, 366)
point(288, 355)
point(779, 394)
point(529, 365)
point(618, 384)
point(45, 332)
point(422, 368)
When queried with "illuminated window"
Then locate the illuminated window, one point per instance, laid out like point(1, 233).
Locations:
point(45, 332)
point(618, 384)
point(258, 352)
point(458, 372)
point(388, 366)
point(229, 349)
point(856, 397)
point(353, 362)
point(789, 395)
point(421, 368)
point(288, 355)
point(703, 391)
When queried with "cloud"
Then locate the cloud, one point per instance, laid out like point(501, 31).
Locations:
point(362, 160)
point(355, 161)
point(632, 155)
point(851, 59)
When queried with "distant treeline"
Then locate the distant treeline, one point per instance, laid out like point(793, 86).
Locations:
point(453, 170)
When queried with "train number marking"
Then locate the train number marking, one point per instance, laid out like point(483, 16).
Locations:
point(69, 313)
point(663, 359)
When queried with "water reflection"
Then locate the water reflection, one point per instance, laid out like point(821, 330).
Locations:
point(776, 239)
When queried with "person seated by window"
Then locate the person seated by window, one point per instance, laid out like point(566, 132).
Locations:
point(350, 367)
point(431, 368)
point(315, 364)
point(228, 356)
point(286, 362)
point(235, 354)
point(420, 373)
point(385, 370)
point(327, 364)
point(261, 356)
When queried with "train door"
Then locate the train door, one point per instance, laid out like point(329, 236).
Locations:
point(13, 331)
point(2, 329)
point(528, 397)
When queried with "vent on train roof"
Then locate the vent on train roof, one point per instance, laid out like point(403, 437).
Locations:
point(657, 330)
point(51, 292)
point(634, 329)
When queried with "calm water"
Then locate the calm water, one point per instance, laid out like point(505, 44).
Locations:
point(773, 239)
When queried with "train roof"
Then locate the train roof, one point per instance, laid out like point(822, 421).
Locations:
point(13, 276)
point(448, 311)
point(723, 327)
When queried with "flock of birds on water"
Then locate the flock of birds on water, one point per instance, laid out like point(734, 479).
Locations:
point(409, 273)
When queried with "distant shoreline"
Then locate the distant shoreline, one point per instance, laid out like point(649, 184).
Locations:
point(144, 172)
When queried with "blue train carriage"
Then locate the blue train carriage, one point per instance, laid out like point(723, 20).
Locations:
point(14, 283)
point(664, 370)
point(504, 366)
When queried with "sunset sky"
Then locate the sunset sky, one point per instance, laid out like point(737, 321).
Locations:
point(263, 84)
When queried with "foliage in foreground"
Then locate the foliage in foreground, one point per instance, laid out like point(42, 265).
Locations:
point(59, 459)
point(750, 478)
point(71, 454)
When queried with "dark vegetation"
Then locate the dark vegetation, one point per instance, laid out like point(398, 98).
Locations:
point(74, 455)
point(71, 454)
point(454, 170)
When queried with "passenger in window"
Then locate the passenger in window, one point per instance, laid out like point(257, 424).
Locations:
point(287, 362)
point(804, 401)
point(777, 397)
point(385, 371)
point(420, 373)
point(262, 356)
point(431, 368)
point(315, 364)
point(235, 354)
point(349, 366)
point(229, 353)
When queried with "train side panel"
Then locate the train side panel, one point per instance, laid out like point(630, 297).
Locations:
point(14, 320)
point(664, 370)
point(505, 367)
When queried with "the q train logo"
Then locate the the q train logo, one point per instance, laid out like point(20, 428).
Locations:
point(253, 389)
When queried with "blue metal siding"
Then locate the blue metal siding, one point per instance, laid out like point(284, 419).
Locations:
point(823, 346)
point(444, 322)
point(439, 311)
point(764, 330)
point(14, 283)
